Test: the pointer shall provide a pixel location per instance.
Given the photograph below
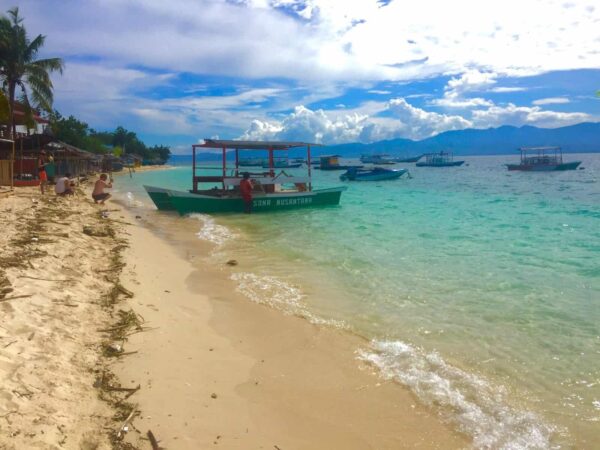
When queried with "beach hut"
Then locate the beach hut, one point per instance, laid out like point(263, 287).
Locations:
point(69, 159)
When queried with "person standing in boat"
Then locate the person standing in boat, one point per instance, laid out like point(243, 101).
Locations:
point(246, 186)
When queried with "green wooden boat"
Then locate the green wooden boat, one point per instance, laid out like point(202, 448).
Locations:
point(160, 197)
point(189, 202)
point(272, 191)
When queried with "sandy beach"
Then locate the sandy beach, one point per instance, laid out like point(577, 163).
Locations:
point(199, 365)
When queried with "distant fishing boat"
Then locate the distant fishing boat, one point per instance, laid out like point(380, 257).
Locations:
point(251, 162)
point(332, 162)
point(377, 158)
point(375, 174)
point(412, 159)
point(542, 159)
point(273, 191)
point(282, 163)
point(441, 159)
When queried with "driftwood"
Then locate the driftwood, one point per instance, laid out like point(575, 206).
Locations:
point(129, 417)
point(15, 297)
point(124, 389)
point(45, 279)
point(153, 441)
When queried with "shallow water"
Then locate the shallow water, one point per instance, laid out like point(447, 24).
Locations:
point(479, 287)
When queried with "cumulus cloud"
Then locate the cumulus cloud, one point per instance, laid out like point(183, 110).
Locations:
point(522, 115)
point(458, 87)
point(398, 119)
point(328, 127)
point(304, 124)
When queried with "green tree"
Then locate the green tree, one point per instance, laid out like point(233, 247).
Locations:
point(20, 69)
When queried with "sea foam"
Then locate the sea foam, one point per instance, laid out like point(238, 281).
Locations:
point(212, 231)
point(278, 294)
point(475, 406)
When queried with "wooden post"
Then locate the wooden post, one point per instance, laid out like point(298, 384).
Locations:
point(12, 167)
point(194, 182)
point(309, 169)
point(237, 161)
point(224, 165)
point(271, 162)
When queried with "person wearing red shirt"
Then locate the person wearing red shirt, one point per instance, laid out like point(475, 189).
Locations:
point(246, 187)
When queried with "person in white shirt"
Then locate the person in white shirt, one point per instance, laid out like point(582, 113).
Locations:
point(63, 185)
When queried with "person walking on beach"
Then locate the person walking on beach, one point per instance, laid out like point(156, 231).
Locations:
point(42, 175)
point(98, 194)
point(246, 187)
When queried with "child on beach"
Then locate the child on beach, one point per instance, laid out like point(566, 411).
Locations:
point(98, 194)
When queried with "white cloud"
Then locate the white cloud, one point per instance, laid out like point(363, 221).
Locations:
point(304, 124)
point(551, 101)
point(330, 127)
point(416, 123)
point(471, 80)
point(522, 115)
point(328, 39)
point(502, 90)
point(377, 91)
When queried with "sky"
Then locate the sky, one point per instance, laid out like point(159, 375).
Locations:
point(326, 71)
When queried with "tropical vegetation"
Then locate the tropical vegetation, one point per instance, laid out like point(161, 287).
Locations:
point(120, 142)
point(23, 76)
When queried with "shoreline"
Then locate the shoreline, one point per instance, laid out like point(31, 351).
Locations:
point(277, 379)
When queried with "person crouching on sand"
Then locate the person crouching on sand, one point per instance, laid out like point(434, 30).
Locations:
point(246, 187)
point(64, 185)
point(98, 194)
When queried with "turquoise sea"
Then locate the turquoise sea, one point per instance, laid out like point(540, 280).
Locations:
point(477, 288)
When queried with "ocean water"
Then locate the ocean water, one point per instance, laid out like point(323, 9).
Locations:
point(477, 288)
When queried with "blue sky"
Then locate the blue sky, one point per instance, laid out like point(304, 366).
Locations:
point(329, 71)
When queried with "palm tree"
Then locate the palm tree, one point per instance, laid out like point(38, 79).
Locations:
point(20, 70)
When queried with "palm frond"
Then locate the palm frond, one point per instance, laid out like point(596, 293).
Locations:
point(50, 64)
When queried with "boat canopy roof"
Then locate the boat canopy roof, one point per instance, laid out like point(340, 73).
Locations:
point(252, 145)
point(538, 149)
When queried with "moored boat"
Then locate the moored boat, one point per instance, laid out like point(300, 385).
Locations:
point(376, 158)
point(375, 174)
point(411, 159)
point(271, 192)
point(332, 162)
point(441, 159)
point(542, 159)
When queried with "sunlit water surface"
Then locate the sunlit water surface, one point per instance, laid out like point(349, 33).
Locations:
point(478, 288)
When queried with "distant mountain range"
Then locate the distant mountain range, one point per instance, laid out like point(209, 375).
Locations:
point(580, 138)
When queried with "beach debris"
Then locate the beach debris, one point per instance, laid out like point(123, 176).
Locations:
point(43, 279)
point(232, 262)
point(125, 426)
point(98, 231)
point(213, 395)
point(153, 441)
point(14, 297)
point(138, 217)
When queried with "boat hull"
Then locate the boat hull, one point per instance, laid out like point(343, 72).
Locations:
point(443, 164)
point(186, 202)
point(374, 176)
point(160, 197)
point(544, 168)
